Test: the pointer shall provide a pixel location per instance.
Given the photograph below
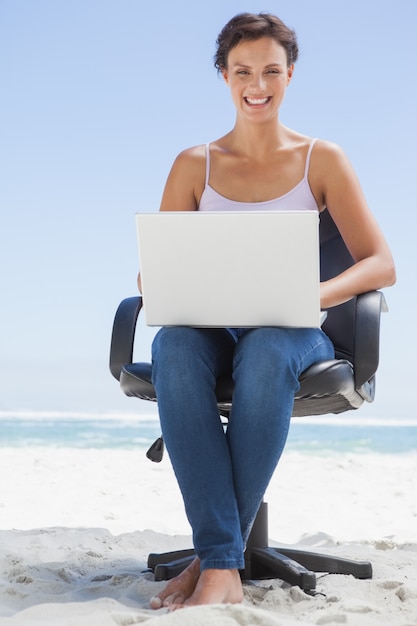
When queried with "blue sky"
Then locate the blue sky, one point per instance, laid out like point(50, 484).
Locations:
point(98, 97)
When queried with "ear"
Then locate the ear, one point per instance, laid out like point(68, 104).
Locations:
point(290, 71)
point(225, 75)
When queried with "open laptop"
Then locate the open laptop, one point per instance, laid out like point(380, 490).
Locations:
point(230, 269)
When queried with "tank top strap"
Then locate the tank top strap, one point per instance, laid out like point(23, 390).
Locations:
point(207, 163)
point(308, 158)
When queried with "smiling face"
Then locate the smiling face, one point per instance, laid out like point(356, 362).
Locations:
point(258, 75)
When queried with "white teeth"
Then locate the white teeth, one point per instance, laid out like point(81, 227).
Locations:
point(257, 100)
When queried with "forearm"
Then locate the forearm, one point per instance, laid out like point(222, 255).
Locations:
point(366, 275)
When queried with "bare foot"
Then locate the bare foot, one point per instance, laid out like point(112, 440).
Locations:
point(217, 586)
point(178, 589)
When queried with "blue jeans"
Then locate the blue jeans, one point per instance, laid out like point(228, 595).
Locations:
point(223, 475)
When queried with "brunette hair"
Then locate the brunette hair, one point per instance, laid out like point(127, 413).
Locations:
point(249, 27)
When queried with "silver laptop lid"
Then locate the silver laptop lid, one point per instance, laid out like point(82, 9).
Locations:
point(230, 269)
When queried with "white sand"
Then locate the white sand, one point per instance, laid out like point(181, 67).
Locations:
point(75, 535)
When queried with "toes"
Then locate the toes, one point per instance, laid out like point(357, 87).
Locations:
point(174, 600)
point(156, 603)
point(175, 607)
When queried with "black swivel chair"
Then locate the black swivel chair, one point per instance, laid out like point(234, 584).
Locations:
point(334, 386)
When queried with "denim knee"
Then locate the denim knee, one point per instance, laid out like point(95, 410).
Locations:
point(287, 348)
point(265, 354)
point(171, 341)
point(190, 356)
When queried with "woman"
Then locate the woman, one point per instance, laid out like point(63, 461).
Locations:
point(259, 164)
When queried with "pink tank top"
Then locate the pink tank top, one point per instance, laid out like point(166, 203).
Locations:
point(299, 198)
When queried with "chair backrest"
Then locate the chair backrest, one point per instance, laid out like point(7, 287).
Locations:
point(334, 259)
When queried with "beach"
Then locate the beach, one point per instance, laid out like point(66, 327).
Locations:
point(77, 524)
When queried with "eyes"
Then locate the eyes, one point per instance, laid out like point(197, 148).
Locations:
point(269, 71)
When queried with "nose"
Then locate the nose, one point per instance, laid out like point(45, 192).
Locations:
point(257, 83)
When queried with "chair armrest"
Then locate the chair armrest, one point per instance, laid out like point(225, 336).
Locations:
point(369, 307)
point(123, 335)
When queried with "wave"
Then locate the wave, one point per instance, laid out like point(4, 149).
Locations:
point(80, 415)
point(151, 414)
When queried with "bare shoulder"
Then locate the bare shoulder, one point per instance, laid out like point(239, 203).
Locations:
point(190, 165)
point(191, 158)
point(330, 166)
point(328, 153)
point(185, 181)
point(332, 178)
point(329, 158)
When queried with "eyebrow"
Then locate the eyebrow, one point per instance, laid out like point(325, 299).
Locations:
point(266, 66)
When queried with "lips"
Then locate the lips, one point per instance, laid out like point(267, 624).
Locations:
point(256, 101)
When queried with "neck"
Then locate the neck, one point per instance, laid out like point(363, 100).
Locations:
point(257, 140)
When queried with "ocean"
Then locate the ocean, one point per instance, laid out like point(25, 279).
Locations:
point(328, 435)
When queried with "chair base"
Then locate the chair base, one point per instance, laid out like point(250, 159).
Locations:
point(293, 566)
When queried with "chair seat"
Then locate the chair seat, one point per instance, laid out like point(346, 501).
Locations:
point(328, 386)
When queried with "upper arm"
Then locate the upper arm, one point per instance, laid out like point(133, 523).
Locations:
point(185, 182)
point(341, 192)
